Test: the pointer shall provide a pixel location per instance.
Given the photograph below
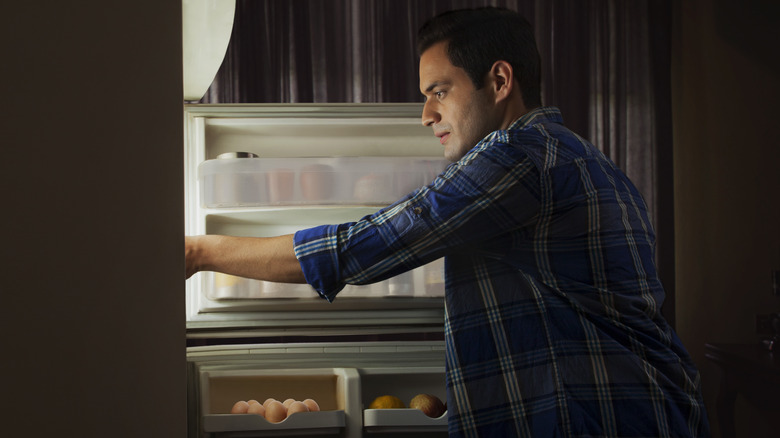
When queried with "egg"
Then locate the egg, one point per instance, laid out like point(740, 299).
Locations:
point(312, 405)
point(267, 401)
point(275, 412)
point(240, 407)
point(297, 406)
point(256, 408)
point(288, 402)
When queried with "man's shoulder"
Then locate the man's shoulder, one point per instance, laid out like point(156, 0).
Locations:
point(536, 116)
point(544, 137)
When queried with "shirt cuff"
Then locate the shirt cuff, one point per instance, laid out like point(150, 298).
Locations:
point(317, 251)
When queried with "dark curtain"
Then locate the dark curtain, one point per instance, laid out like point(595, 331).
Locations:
point(606, 65)
point(328, 50)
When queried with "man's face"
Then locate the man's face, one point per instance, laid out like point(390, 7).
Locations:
point(459, 114)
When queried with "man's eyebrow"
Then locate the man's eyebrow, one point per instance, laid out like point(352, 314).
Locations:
point(434, 85)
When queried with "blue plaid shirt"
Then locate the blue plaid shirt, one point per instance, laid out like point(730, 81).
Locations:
point(553, 324)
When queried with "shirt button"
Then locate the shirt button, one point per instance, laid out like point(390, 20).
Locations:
point(417, 210)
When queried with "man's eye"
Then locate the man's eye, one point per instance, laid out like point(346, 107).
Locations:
point(439, 94)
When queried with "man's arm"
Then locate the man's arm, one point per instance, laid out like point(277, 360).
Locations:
point(262, 258)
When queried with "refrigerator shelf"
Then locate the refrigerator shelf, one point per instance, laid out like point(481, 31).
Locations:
point(276, 220)
point(298, 424)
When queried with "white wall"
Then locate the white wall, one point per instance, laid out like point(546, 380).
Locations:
point(91, 286)
point(727, 187)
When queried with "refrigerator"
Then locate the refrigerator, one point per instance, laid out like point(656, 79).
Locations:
point(265, 170)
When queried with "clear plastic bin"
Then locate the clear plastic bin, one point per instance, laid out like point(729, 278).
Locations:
point(250, 182)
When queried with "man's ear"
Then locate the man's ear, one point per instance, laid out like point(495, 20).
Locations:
point(502, 77)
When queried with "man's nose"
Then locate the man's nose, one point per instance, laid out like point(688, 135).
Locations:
point(429, 114)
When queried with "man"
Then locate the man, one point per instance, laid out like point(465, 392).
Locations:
point(553, 324)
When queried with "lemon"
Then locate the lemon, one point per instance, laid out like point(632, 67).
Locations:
point(387, 402)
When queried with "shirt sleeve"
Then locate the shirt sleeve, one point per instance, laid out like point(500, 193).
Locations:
point(494, 188)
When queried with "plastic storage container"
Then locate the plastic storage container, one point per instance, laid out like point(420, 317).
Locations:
point(253, 181)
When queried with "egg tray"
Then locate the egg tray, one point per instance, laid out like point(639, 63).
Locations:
point(402, 420)
point(300, 424)
point(332, 387)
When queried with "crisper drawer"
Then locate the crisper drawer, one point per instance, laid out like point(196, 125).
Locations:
point(344, 378)
point(253, 182)
point(403, 385)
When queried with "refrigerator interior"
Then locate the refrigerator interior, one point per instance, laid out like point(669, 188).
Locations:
point(370, 148)
point(307, 165)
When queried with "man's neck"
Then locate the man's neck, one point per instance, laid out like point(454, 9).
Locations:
point(515, 109)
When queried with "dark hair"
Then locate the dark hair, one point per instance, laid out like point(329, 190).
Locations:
point(477, 38)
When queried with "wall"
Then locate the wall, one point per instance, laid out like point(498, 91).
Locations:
point(91, 260)
point(726, 142)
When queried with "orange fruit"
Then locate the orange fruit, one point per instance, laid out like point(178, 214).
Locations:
point(387, 402)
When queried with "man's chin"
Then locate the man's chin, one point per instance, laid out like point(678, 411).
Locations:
point(454, 153)
point(451, 157)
